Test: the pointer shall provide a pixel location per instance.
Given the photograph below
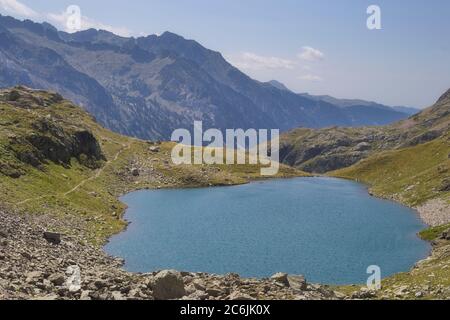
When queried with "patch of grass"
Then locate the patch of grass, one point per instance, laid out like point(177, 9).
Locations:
point(433, 233)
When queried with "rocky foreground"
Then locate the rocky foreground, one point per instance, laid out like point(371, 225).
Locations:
point(35, 267)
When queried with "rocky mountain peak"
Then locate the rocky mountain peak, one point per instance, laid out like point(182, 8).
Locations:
point(445, 97)
point(278, 85)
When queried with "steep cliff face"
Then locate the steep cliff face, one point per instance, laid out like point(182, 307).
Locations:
point(42, 139)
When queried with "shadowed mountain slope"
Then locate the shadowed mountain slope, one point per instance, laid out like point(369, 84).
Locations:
point(149, 86)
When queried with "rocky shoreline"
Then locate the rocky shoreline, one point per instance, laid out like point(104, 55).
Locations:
point(37, 268)
point(34, 267)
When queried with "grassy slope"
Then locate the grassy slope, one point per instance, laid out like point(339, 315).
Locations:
point(411, 175)
point(95, 201)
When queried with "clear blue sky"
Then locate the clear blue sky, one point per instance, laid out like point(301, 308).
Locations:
point(320, 47)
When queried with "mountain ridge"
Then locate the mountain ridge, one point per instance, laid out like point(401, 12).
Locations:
point(343, 103)
point(148, 86)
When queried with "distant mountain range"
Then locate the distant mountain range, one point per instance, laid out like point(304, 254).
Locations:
point(359, 112)
point(149, 86)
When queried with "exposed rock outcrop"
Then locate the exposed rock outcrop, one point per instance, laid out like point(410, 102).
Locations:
point(47, 139)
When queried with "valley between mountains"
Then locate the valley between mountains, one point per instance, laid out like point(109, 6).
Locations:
point(60, 171)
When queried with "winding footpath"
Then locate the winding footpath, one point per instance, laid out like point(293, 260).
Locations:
point(82, 183)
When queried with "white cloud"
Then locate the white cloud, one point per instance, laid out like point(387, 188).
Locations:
point(310, 77)
point(252, 61)
point(18, 8)
point(86, 23)
point(311, 54)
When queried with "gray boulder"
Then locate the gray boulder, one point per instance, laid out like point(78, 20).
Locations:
point(52, 237)
point(446, 235)
point(135, 172)
point(3, 234)
point(168, 285)
point(363, 146)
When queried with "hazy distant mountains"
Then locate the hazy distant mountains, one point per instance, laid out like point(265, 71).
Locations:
point(149, 86)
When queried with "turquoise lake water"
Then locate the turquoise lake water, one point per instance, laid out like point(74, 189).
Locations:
point(329, 230)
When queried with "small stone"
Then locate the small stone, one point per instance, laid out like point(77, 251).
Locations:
point(100, 284)
point(125, 290)
point(198, 295)
point(401, 291)
point(116, 295)
point(281, 278)
point(51, 297)
point(63, 291)
point(26, 255)
point(214, 292)
point(446, 235)
point(135, 293)
point(85, 295)
point(339, 295)
point(57, 279)
point(239, 296)
point(33, 276)
point(135, 172)
point(365, 293)
point(363, 146)
point(190, 289)
point(199, 285)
